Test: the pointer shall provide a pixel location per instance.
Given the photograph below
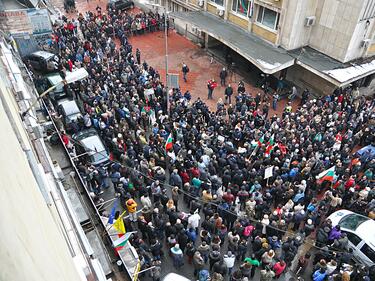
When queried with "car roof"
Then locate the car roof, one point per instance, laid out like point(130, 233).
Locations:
point(365, 229)
point(70, 107)
point(362, 230)
point(175, 277)
point(54, 78)
point(43, 54)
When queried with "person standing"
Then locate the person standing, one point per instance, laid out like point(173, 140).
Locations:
point(229, 260)
point(275, 99)
point(228, 94)
point(131, 205)
point(185, 71)
point(211, 85)
point(138, 56)
point(223, 76)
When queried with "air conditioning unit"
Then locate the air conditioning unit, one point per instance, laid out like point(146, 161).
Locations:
point(220, 12)
point(310, 21)
point(365, 43)
point(200, 3)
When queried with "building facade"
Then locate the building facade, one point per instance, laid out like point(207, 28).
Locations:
point(331, 42)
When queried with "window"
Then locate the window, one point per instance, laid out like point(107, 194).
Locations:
point(218, 2)
point(353, 238)
point(352, 221)
point(370, 253)
point(241, 6)
point(268, 17)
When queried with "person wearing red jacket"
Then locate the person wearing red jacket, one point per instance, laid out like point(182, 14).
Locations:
point(211, 85)
point(279, 268)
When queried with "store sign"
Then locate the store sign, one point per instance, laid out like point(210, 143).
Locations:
point(40, 21)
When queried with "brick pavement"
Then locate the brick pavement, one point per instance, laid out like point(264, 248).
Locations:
point(180, 49)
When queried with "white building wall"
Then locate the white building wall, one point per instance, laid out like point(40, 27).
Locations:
point(31, 245)
point(294, 32)
point(336, 22)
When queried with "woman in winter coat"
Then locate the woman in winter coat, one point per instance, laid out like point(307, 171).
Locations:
point(279, 268)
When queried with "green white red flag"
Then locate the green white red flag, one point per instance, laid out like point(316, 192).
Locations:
point(327, 175)
point(169, 143)
point(270, 145)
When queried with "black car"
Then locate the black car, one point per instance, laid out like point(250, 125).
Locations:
point(120, 4)
point(42, 61)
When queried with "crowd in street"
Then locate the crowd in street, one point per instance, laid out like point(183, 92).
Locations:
point(213, 163)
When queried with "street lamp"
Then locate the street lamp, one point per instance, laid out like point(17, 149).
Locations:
point(166, 45)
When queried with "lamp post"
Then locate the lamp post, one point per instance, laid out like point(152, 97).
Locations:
point(166, 45)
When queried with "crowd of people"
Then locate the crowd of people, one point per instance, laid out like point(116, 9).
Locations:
point(198, 175)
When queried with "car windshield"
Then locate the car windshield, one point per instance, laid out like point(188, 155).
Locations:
point(352, 221)
point(97, 157)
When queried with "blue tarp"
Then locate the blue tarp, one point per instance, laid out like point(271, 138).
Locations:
point(366, 153)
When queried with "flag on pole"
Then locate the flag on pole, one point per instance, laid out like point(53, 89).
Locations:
point(119, 224)
point(112, 214)
point(260, 141)
point(169, 143)
point(327, 175)
point(270, 145)
point(120, 243)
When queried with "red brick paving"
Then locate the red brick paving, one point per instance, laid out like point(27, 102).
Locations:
point(180, 49)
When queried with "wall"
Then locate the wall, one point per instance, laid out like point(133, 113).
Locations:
point(241, 22)
point(211, 8)
point(294, 33)
point(16, 21)
point(361, 32)
point(371, 49)
point(336, 23)
point(306, 79)
point(31, 246)
point(264, 33)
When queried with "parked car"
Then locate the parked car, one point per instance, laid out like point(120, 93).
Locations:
point(42, 61)
point(120, 4)
point(55, 79)
point(91, 147)
point(69, 111)
point(360, 232)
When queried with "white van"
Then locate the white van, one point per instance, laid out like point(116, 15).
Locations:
point(360, 231)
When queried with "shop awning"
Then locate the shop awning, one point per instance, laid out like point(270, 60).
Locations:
point(338, 73)
point(268, 58)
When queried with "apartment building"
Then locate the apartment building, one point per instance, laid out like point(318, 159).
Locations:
point(318, 44)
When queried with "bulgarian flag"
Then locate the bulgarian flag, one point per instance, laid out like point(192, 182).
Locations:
point(327, 175)
point(260, 141)
point(270, 145)
point(120, 243)
point(169, 143)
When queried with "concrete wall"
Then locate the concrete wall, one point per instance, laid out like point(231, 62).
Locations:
point(336, 22)
point(294, 34)
point(186, 29)
point(361, 32)
point(306, 79)
point(31, 246)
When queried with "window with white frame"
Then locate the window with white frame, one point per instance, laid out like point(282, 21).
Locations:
point(268, 18)
point(241, 7)
point(218, 2)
